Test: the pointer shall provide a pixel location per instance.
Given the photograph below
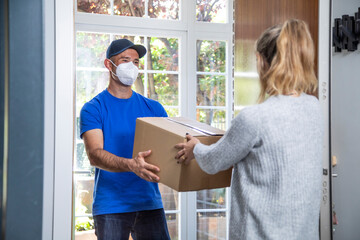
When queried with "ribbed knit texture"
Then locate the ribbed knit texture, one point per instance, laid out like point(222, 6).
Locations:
point(276, 151)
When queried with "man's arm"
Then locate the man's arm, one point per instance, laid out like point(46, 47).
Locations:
point(100, 158)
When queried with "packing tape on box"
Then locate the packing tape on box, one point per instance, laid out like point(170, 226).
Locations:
point(195, 128)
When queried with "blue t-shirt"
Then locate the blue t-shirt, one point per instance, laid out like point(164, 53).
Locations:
point(121, 191)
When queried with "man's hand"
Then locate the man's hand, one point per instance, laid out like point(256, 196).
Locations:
point(143, 169)
point(186, 153)
point(103, 159)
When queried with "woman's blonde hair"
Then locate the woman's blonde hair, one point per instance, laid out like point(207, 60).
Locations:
point(287, 60)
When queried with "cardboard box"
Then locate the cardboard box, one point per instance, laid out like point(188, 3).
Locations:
point(161, 135)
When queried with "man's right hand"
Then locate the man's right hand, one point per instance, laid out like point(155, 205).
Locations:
point(103, 159)
point(143, 169)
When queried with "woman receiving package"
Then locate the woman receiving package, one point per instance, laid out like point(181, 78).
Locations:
point(275, 147)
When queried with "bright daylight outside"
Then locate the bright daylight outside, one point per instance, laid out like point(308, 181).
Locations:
point(159, 79)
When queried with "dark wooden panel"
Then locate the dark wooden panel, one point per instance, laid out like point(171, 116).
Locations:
point(252, 17)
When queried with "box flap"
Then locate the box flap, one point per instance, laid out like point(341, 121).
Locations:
point(198, 126)
point(181, 125)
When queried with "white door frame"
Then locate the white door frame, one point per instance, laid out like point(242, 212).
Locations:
point(59, 115)
point(59, 75)
point(324, 97)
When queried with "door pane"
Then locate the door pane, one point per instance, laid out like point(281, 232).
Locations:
point(208, 226)
point(211, 109)
point(211, 199)
point(163, 57)
point(139, 84)
point(164, 54)
point(213, 117)
point(129, 8)
point(87, 87)
point(84, 228)
point(211, 56)
point(91, 49)
point(88, 6)
point(164, 88)
point(164, 9)
point(172, 111)
point(172, 209)
point(159, 9)
point(211, 225)
point(214, 11)
point(210, 90)
point(172, 220)
point(84, 185)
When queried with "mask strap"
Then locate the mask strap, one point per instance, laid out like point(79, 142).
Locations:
point(112, 62)
point(112, 73)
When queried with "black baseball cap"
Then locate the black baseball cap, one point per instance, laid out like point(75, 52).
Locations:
point(120, 45)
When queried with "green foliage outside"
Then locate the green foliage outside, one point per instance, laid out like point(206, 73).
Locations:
point(164, 53)
point(84, 224)
point(91, 49)
point(213, 88)
point(211, 56)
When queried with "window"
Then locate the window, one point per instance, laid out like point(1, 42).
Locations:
point(211, 109)
point(211, 11)
point(188, 69)
point(132, 8)
point(158, 79)
point(211, 79)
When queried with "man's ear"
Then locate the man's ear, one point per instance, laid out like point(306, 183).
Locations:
point(108, 64)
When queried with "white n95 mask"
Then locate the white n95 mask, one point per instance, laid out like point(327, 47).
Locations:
point(126, 73)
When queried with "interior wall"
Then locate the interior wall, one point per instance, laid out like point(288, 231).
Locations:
point(345, 132)
point(22, 216)
point(253, 17)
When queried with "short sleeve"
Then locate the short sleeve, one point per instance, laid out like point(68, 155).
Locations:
point(90, 118)
point(159, 110)
point(162, 111)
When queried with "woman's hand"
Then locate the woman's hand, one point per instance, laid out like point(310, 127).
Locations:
point(186, 154)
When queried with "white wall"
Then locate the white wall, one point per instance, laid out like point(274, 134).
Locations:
point(345, 131)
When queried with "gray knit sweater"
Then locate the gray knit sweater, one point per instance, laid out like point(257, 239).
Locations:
point(275, 149)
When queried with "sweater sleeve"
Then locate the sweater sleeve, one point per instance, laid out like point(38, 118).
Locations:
point(234, 146)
